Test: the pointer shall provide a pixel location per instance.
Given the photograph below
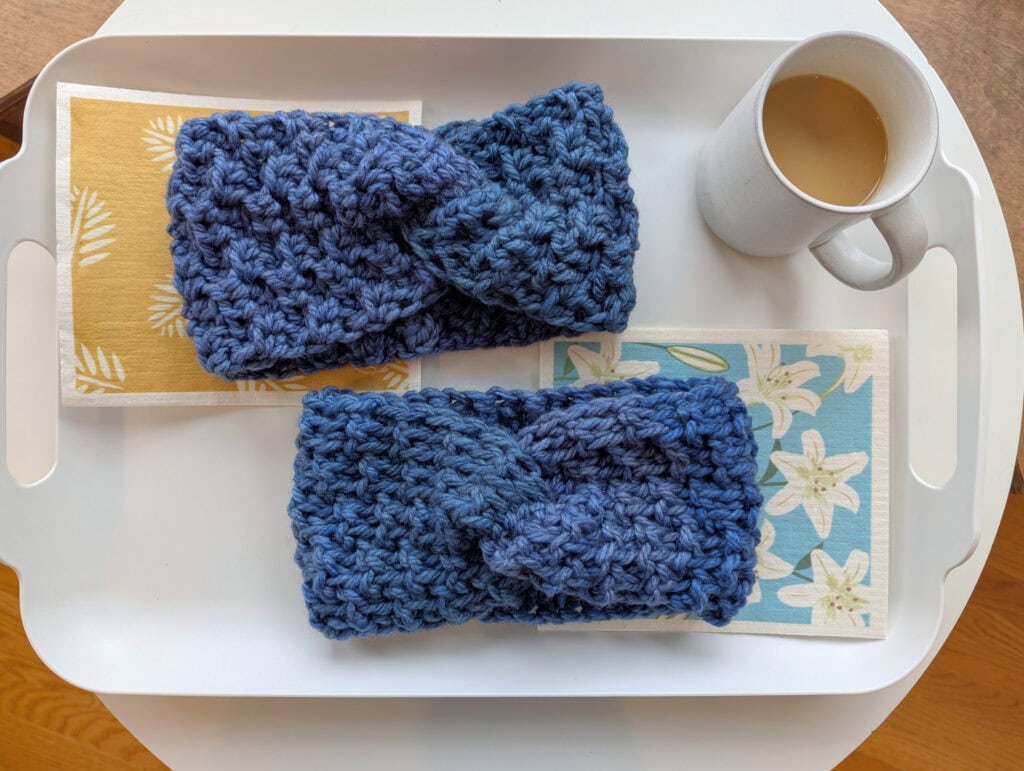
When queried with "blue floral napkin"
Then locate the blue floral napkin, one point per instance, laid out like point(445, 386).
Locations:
point(820, 409)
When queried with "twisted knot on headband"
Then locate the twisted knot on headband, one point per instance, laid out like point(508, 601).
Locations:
point(306, 241)
point(635, 498)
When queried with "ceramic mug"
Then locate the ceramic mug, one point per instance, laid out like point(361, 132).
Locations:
point(748, 203)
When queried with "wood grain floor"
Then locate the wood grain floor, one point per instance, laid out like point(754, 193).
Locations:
point(46, 723)
point(967, 711)
point(53, 26)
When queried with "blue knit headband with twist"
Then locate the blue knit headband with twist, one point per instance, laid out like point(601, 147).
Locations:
point(634, 498)
point(308, 241)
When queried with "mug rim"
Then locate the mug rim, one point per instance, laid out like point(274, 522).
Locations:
point(871, 207)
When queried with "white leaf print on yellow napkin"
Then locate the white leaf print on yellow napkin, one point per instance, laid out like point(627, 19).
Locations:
point(90, 227)
point(160, 136)
point(166, 309)
point(98, 373)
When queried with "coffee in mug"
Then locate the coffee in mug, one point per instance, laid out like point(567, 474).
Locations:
point(826, 138)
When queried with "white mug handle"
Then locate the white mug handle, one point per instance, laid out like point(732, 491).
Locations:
point(904, 230)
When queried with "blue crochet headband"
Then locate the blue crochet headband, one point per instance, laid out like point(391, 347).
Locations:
point(308, 241)
point(634, 498)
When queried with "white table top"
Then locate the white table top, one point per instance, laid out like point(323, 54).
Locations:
point(789, 732)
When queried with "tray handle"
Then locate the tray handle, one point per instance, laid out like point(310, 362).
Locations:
point(22, 218)
point(957, 530)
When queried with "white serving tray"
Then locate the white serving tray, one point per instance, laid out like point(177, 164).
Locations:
point(157, 557)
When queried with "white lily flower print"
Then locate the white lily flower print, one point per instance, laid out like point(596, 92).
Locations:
point(816, 481)
point(769, 566)
point(777, 386)
point(606, 365)
point(836, 596)
point(858, 362)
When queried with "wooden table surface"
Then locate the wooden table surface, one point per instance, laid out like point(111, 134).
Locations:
point(963, 713)
point(31, 33)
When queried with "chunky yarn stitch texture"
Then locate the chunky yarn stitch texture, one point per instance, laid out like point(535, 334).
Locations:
point(634, 498)
point(308, 241)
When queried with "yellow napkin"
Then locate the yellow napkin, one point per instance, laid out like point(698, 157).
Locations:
point(122, 336)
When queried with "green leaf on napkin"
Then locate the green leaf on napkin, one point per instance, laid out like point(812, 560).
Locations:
point(805, 561)
point(568, 368)
point(771, 469)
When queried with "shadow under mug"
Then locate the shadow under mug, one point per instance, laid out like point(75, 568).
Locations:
point(750, 205)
